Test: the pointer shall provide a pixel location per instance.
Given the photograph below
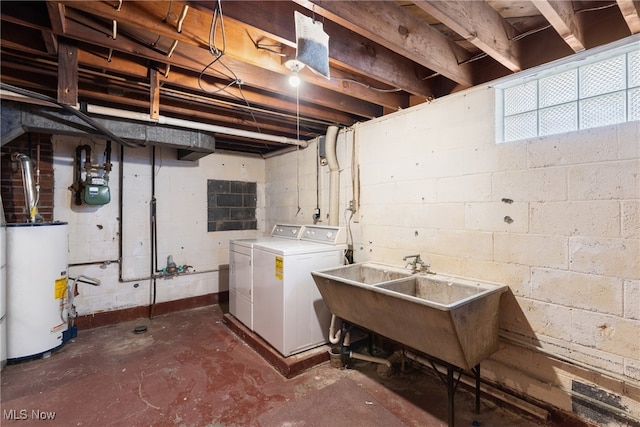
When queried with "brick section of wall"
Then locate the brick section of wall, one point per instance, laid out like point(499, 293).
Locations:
point(231, 205)
point(11, 185)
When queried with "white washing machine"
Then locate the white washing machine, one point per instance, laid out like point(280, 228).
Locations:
point(241, 274)
point(288, 310)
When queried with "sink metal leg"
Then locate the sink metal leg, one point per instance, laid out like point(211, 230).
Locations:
point(450, 395)
point(476, 371)
point(451, 382)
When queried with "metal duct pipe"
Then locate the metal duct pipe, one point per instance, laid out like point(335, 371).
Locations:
point(31, 195)
point(334, 174)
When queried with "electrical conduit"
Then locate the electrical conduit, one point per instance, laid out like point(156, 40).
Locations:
point(334, 175)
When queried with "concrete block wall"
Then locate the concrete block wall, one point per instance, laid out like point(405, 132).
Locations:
point(297, 184)
point(181, 198)
point(555, 218)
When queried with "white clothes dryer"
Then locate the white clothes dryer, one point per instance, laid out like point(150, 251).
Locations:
point(241, 273)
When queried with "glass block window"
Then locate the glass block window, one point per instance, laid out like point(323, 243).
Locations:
point(587, 95)
point(231, 205)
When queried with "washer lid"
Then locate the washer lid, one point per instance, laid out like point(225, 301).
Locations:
point(249, 242)
point(296, 247)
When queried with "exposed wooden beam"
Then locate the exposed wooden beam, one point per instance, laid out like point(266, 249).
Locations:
point(348, 50)
point(631, 12)
point(400, 32)
point(23, 76)
point(563, 18)
point(50, 42)
point(56, 16)
point(480, 25)
point(196, 59)
point(148, 16)
point(182, 79)
point(67, 72)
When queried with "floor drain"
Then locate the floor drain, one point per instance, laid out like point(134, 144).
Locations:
point(140, 330)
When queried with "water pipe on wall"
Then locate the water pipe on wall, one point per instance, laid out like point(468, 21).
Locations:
point(334, 174)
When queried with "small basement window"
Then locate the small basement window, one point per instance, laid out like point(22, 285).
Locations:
point(231, 205)
point(590, 91)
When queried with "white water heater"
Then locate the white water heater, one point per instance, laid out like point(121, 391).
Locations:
point(37, 260)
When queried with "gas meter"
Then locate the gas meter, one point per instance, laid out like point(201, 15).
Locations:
point(93, 189)
point(96, 190)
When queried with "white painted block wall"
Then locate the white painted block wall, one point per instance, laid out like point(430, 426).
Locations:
point(181, 193)
point(432, 181)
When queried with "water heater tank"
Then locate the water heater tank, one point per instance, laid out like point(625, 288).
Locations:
point(37, 260)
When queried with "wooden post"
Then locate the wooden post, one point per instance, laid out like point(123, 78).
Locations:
point(67, 72)
point(154, 94)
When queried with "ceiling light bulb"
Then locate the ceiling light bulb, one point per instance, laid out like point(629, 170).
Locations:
point(294, 80)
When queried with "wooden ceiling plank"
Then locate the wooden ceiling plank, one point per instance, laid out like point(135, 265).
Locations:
point(564, 20)
point(56, 16)
point(400, 32)
point(631, 12)
point(125, 69)
point(147, 16)
point(181, 79)
point(349, 50)
point(22, 75)
point(195, 59)
point(481, 25)
point(50, 42)
point(29, 40)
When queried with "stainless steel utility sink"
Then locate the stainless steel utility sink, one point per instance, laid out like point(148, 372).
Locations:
point(438, 289)
point(367, 272)
point(451, 318)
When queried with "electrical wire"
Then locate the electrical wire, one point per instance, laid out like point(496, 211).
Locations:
point(530, 32)
point(267, 47)
point(97, 126)
point(368, 86)
point(168, 12)
point(350, 80)
point(217, 19)
point(591, 9)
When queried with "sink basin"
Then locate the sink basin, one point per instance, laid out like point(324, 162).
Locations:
point(367, 272)
point(451, 318)
point(437, 289)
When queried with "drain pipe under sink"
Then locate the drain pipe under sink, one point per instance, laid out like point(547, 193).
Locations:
point(334, 175)
point(334, 336)
point(360, 356)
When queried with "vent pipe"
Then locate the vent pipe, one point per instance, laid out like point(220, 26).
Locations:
point(31, 193)
point(334, 175)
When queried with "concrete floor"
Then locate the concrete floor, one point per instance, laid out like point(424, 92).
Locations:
point(191, 369)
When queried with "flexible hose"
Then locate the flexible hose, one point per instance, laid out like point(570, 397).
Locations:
point(97, 126)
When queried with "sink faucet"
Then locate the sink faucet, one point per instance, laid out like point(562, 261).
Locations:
point(417, 265)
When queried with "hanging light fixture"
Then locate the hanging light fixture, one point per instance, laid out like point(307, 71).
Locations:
point(294, 66)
